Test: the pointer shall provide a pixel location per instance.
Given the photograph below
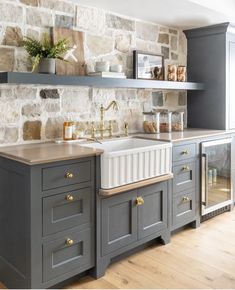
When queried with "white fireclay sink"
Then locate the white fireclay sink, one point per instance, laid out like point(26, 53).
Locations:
point(129, 160)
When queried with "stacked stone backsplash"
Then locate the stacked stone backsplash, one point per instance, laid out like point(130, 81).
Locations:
point(30, 113)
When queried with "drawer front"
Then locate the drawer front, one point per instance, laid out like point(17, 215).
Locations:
point(184, 152)
point(72, 251)
point(64, 175)
point(183, 210)
point(66, 210)
point(184, 177)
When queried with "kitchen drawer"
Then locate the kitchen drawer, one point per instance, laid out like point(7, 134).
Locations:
point(184, 152)
point(64, 175)
point(183, 210)
point(66, 210)
point(184, 177)
point(60, 257)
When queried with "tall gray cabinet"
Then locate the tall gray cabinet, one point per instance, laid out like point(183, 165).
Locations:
point(211, 59)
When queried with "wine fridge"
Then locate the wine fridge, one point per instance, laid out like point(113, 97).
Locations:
point(216, 181)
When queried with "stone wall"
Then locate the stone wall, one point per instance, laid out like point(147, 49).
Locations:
point(36, 113)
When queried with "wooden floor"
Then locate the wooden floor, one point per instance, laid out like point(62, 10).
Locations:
point(201, 258)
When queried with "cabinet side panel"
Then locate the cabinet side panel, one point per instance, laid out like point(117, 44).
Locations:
point(207, 63)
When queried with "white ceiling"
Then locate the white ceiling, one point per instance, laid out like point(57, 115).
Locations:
point(174, 13)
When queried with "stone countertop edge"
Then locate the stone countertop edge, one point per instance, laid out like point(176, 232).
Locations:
point(41, 153)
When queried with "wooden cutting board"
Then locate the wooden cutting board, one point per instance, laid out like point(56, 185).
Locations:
point(75, 58)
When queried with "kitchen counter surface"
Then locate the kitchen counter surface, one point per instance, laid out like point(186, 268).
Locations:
point(47, 152)
point(187, 134)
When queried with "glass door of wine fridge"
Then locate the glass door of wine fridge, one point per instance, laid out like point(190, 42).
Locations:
point(216, 185)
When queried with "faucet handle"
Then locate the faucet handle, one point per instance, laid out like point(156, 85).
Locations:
point(126, 128)
point(110, 128)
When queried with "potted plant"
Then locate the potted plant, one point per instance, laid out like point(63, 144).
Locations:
point(44, 53)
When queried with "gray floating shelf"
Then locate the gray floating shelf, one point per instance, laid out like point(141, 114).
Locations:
point(87, 81)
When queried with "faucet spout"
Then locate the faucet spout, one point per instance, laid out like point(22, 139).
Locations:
point(113, 105)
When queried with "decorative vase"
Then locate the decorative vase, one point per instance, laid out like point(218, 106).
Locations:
point(47, 66)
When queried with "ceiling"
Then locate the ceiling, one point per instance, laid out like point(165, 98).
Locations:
point(174, 13)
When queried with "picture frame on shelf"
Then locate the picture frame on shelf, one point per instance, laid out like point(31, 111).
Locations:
point(148, 66)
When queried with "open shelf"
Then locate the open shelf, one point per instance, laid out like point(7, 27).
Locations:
point(88, 81)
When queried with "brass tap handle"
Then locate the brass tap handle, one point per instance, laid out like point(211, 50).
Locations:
point(68, 175)
point(126, 128)
point(69, 197)
point(110, 128)
point(69, 242)
point(139, 201)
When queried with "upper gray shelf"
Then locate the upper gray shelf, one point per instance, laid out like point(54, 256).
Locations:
point(87, 81)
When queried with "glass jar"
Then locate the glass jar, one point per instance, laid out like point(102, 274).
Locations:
point(68, 129)
point(178, 121)
point(165, 121)
point(151, 122)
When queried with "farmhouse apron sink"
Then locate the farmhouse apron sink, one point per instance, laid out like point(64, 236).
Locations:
point(129, 160)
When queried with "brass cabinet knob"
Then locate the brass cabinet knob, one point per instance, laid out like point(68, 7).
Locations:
point(69, 197)
point(185, 199)
point(185, 168)
point(69, 175)
point(139, 201)
point(185, 152)
point(69, 242)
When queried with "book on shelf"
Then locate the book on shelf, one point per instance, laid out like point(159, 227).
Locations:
point(107, 75)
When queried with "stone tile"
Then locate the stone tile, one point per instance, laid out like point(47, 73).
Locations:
point(32, 110)
point(157, 99)
point(116, 22)
point(146, 31)
point(174, 56)
point(75, 101)
point(125, 94)
point(165, 51)
point(182, 99)
point(90, 19)
point(98, 45)
point(174, 42)
point(11, 135)
point(32, 130)
point(38, 18)
point(54, 128)
point(163, 29)
point(182, 49)
point(30, 2)
point(163, 38)
point(6, 59)
point(10, 112)
point(13, 36)
point(33, 33)
point(173, 31)
point(18, 92)
point(11, 13)
point(50, 94)
point(62, 6)
point(22, 61)
point(52, 107)
point(64, 21)
point(123, 42)
point(171, 99)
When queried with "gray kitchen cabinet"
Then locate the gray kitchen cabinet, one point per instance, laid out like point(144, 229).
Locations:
point(47, 221)
point(211, 58)
point(130, 219)
point(185, 185)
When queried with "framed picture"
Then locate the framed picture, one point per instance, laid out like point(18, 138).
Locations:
point(148, 66)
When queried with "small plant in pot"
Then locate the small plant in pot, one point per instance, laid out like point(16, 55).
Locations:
point(44, 53)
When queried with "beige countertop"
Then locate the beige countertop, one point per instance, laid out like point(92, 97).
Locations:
point(51, 152)
point(187, 134)
point(47, 152)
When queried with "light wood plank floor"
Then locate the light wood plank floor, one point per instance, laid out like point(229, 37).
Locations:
point(201, 258)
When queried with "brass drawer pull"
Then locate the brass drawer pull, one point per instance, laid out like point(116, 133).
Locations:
point(185, 168)
point(185, 152)
point(69, 175)
point(69, 242)
point(139, 201)
point(185, 199)
point(69, 197)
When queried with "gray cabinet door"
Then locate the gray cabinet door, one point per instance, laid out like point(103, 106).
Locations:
point(184, 176)
point(231, 77)
point(71, 251)
point(183, 208)
point(119, 221)
point(152, 214)
point(66, 210)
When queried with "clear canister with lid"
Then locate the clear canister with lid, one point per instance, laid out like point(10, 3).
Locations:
point(151, 124)
point(165, 121)
point(177, 121)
